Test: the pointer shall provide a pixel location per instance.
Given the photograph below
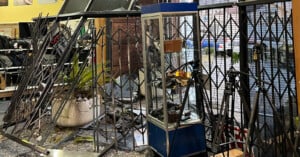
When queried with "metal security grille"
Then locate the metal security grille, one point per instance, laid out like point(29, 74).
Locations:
point(247, 54)
point(218, 32)
point(123, 110)
point(107, 57)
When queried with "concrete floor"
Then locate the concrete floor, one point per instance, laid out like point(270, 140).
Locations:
point(10, 148)
point(3, 107)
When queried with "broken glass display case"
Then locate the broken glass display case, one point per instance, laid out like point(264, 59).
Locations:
point(171, 65)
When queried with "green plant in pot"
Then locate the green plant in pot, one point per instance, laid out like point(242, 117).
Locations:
point(85, 80)
point(78, 110)
point(83, 87)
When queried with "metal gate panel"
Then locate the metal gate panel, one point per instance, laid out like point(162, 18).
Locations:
point(270, 78)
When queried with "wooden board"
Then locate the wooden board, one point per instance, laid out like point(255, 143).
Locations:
point(296, 34)
point(7, 92)
point(232, 153)
point(11, 30)
point(2, 82)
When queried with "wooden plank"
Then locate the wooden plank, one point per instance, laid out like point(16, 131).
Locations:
point(10, 90)
point(10, 29)
point(231, 153)
point(7, 92)
point(296, 26)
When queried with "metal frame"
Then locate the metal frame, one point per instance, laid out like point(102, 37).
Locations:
point(273, 121)
point(47, 93)
point(282, 80)
point(160, 24)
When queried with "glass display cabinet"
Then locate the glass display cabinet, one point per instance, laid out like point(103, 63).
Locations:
point(174, 112)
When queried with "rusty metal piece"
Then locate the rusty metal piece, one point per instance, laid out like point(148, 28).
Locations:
point(26, 143)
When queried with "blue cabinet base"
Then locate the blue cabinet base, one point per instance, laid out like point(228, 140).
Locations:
point(184, 141)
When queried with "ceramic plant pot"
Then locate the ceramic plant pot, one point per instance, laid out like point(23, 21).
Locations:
point(75, 113)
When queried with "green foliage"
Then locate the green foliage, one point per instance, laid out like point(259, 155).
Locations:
point(208, 50)
point(235, 57)
point(85, 78)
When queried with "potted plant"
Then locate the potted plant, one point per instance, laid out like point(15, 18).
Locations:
point(78, 110)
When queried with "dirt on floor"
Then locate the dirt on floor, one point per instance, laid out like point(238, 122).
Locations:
point(9, 148)
point(73, 141)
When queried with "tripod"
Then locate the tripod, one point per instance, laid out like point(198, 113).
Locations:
point(201, 98)
point(226, 116)
point(252, 128)
point(196, 81)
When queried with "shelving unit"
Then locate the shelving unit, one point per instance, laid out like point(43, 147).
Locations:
point(11, 74)
point(172, 110)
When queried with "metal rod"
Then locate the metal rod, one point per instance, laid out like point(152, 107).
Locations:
point(26, 143)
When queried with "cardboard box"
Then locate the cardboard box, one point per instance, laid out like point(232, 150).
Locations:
point(172, 45)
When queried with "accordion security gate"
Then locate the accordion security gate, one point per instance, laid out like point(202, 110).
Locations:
point(247, 54)
point(45, 93)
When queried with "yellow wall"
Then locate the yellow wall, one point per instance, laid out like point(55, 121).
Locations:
point(296, 31)
point(25, 13)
